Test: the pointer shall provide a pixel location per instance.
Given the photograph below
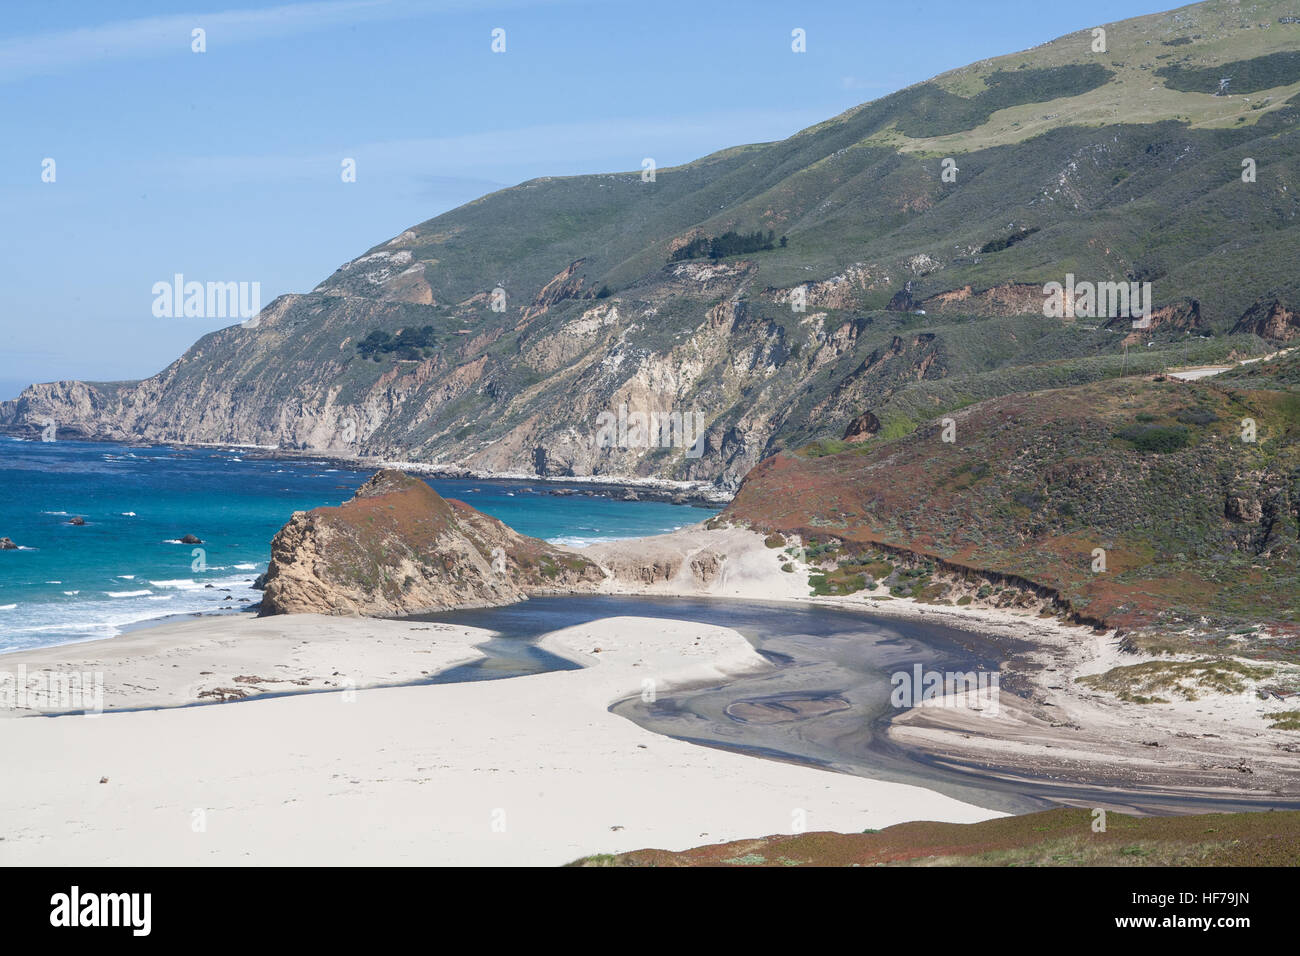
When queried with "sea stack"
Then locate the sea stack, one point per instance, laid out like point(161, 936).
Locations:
point(397, 547)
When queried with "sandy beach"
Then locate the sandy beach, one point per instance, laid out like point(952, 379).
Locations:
point(527, 770)
point(358, 763)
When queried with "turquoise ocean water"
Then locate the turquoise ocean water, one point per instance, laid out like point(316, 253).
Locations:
point(126, 563)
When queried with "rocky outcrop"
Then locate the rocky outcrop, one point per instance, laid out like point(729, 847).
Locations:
point(397, 547)
point(6, 544)
point(861, 428)
point(1269, 319)
point(1013, 298)
point(1181, 316)
point(566, 285)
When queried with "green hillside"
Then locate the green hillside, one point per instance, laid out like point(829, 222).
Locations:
point(1190, 491)
point(923, 293)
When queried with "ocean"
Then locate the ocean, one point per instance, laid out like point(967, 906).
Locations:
point(127, 564)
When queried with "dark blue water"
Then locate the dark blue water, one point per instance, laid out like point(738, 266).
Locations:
point(126, 564)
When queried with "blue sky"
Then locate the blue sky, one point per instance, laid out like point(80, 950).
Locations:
point(225, 165)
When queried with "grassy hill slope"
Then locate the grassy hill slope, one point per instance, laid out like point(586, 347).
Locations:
point(1109, 166)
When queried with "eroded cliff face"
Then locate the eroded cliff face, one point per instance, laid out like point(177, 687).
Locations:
point(527, 399)
point(1270, 319)
point(398, 547)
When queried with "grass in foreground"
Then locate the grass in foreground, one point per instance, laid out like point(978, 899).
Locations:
point(1062, 837)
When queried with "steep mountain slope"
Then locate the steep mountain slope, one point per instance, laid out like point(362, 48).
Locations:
point(922, 294)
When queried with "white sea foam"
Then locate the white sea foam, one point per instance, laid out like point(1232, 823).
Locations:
point(127, 594)
point(193, 584)
point(575, 541)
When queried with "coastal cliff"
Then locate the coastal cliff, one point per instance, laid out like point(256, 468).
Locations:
point(398, 547)
point(777, 292)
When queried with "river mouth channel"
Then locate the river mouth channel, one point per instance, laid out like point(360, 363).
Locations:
point(825, 703)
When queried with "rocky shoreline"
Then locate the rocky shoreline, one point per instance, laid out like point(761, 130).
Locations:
point(622, 487)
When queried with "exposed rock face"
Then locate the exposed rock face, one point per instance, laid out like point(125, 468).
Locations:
point(861, 428)
point(1270, 319)
point(1008, 299)
point(1242, 509)
point(7, 545)
point(398, 547)
point(1182, 316)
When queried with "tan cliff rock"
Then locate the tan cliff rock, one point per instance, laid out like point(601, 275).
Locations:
point(398, 547)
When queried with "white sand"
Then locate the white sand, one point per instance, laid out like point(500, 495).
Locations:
point(527, 770)
point(198, 658)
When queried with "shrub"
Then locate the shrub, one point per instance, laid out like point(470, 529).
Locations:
point(1158, 439)
point(408, 343)
point(1197, 416)
point(997, 245)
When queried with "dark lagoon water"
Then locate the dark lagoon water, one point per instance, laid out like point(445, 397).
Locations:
point(825, 704)
point(126, 564)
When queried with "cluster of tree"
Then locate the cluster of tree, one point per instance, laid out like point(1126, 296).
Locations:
point(408, 343)
point(727, 244)
point(997, 245)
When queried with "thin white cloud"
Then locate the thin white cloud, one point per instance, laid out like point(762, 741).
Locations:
point(49, 53)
